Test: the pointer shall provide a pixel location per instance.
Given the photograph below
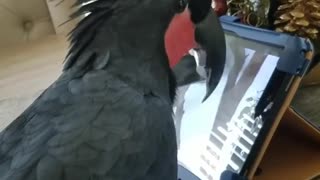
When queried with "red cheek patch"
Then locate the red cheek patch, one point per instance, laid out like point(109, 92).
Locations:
point(179, 38)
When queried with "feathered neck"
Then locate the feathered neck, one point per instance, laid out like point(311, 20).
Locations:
point(110, 25)
point(132, 40)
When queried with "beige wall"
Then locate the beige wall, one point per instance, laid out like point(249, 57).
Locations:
point(61, 14)
point(30, 59)
point(24, 21)
point(27, 70)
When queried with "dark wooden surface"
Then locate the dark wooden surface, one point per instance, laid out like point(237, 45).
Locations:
point(307, 102)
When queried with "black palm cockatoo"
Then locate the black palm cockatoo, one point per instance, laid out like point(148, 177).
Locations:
point(109, 114)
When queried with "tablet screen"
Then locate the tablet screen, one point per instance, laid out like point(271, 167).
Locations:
point(218, 134)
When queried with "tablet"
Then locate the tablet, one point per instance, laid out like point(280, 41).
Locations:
point(226, 131)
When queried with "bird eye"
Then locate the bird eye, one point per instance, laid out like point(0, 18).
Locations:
point(182, 4)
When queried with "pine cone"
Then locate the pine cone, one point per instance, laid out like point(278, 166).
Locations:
point(299, 17)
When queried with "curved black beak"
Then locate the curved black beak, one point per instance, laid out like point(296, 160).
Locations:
point(210, 36)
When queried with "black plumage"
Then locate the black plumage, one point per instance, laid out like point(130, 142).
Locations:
point(109, 115)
